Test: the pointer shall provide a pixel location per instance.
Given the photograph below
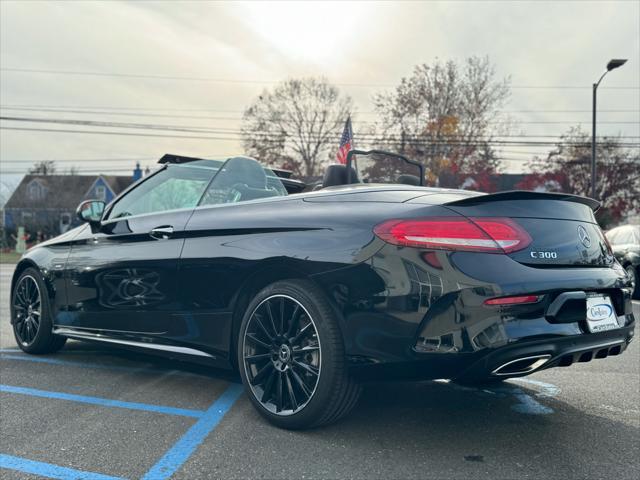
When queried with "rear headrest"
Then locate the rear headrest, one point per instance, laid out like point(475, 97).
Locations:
point(337, 175)
point(407, 179)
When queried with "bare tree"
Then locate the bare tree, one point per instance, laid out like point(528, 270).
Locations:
point(445, 115)
point(567, 168)
point(45, 167)
point(296, 125)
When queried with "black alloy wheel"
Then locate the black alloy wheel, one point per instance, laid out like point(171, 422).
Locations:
point(27, 304)
point(292, 359)
point(282, 354)
point(30, 317)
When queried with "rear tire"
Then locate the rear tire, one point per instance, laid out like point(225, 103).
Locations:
point(633, 274)
point(291, 357)
point(31, 315)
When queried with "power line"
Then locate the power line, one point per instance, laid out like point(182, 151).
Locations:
point(218, 130)
point(215, 110)
point(81, 160)
point(379, 141)
point(258, 82)
point(365, 122)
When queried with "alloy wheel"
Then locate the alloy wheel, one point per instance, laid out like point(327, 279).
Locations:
point(27, 305)
point(282, 355)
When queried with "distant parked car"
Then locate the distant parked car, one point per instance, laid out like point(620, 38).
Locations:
point(625, 242)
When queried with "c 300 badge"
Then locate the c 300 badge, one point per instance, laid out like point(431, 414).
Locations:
point(544, 254)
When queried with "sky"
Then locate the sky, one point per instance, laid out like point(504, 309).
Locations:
point(199, 64)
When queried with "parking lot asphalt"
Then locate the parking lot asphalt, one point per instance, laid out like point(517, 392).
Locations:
point(99, 412)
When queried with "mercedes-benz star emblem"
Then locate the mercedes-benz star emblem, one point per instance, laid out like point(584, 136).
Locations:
point(584, 237)
point(285, 353)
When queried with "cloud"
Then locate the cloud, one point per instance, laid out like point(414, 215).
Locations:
point(537, 43)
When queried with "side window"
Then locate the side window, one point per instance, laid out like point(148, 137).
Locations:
point(170, 189)
point(242, 179)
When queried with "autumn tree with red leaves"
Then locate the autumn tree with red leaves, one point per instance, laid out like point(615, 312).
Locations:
point(567, 169)
point(444, 115)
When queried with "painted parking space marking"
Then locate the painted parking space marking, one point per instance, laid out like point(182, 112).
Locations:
point(186, 446)
point(104, 402)
point(48, 470)
point(526, 403)
point(168, 464)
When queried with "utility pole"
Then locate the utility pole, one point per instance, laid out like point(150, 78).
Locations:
point(613, 63)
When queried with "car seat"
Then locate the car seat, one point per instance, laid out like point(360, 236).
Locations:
point(337, 175)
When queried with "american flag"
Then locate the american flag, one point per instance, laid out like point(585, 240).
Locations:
point(346, 142)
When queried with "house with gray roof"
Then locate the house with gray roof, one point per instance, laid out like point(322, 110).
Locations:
point(47, 203)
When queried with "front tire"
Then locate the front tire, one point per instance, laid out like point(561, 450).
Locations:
point(31, 315)
point(291, 357)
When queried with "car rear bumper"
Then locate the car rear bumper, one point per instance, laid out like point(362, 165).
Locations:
point(514, 360)
point(556, 351)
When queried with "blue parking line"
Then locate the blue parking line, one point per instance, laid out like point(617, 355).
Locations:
point(103, 402)
point(48, 470)
point(177, 455)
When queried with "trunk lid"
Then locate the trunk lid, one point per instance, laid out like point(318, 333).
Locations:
point(563, 228)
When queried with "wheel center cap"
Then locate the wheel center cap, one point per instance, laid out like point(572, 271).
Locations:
point(30, 310)
point(284, 353)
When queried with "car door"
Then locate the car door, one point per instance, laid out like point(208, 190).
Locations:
point(221, 247)
point(122, 277)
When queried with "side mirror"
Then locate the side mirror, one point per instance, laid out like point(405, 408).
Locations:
point(90, 211)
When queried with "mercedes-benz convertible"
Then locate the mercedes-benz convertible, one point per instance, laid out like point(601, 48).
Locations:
point(310, 294)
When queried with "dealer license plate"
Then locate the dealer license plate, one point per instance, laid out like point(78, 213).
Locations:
point(601, 316)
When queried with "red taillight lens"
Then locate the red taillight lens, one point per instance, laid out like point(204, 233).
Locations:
point(493, 235)
point(519, 300)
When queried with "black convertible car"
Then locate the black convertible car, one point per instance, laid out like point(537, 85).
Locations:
point(310, 294)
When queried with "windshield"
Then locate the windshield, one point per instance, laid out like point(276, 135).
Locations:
point(385, 167)
point(241, 179)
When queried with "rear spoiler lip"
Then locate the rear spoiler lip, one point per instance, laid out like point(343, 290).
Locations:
point(526, 195)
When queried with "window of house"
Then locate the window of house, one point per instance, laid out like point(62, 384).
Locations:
point(35, 191)
point(101, 192)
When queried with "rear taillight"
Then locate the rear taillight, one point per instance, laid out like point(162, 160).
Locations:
point(486, 234)
point(518, 300)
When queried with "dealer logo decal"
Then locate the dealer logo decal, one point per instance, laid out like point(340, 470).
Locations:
point(600, 311)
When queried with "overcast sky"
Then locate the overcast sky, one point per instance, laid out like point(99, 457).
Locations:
point(365, 47)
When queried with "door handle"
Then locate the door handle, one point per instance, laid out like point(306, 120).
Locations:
point(161, 233)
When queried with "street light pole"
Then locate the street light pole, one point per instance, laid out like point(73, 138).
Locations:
point(613, 63)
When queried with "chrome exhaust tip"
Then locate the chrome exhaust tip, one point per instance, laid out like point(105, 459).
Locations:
point(521, 366)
